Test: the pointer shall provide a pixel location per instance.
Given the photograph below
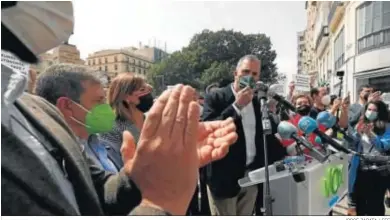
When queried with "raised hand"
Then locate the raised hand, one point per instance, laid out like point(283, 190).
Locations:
point(165, 164)
point(376, 96)
point(244, 97)
point(214, 140)
point(346, 101)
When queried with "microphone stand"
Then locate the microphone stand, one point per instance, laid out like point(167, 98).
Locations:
point(267, 130)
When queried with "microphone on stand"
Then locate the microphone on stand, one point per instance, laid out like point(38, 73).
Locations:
point(272, 92)
point(309, 125)
point(261, 89)
point(329, 121)
point(286, 130)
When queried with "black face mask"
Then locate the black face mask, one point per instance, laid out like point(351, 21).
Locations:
point(303, 110)
point(145, 102)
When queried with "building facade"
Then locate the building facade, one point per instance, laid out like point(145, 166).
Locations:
point(64, 53)
point(119, 61)
point(67, 53)
point(353, 37)
point(309, 56)
point(321, 43)
point(151, 53)
point(301, 50)
point(368, 44)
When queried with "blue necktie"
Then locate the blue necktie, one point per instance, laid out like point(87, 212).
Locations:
point(101, 152)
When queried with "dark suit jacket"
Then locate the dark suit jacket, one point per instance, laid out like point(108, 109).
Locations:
point(223, 175)
point(28, 188)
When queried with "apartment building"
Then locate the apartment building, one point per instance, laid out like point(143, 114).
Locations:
point(67, 53)
point(353, 37)
point(64, 53)
point(321, 40)
point(154, 54)
point(117, 61)
point(310, 61)
point(301, 50)
point(367, 47)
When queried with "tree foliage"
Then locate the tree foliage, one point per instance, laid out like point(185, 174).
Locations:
point(211, 56)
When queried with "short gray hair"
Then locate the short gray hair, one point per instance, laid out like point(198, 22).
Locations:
point(249, 57)
point(64, 80)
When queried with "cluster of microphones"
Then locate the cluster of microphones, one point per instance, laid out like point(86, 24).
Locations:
point(308, 126)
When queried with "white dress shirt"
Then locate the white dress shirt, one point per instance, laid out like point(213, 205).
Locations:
point(249, 124)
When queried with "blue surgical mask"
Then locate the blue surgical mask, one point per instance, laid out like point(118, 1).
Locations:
point(371, 115)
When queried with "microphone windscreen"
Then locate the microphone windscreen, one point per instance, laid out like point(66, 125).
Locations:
point(286, 129)
point(326, 119)
point(307, 124)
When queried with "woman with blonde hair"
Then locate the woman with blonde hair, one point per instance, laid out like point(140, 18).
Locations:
point(130, 97)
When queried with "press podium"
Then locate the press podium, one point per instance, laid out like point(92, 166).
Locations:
point(306, 197)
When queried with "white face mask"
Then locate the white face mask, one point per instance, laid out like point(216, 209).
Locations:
point(39, 25)
point(326, 100)
point(371, 115)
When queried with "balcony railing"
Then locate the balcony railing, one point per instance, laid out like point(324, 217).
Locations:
point(333, 9)
point(374, 41)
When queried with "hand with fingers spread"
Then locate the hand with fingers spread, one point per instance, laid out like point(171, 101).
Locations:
point(376, 96)
point(165, 164)
point(214, 140)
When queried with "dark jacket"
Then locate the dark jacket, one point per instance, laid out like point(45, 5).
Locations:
point(28, 188)
point(223, 175)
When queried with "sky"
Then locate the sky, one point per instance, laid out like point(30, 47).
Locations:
point(119, 23)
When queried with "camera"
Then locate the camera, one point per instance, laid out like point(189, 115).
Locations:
point(340, 73)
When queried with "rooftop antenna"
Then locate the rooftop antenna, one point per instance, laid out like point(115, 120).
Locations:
point(165, 47)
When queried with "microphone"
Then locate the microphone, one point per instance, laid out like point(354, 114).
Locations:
point(261, 89)
point(272, 92)
point(329, 121)
point(309, 125)
point(286, 130)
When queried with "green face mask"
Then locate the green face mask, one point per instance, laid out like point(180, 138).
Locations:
point(99, 119)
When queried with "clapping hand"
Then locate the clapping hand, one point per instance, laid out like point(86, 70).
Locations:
point(214, 140)
point(165, 163)
point(172, 146)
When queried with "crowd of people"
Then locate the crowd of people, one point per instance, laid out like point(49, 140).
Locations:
point(70, 146)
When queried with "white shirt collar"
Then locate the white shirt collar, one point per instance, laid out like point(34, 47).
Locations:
point(232, 87)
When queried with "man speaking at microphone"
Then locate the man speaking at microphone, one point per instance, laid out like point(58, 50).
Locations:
point(247, 154)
